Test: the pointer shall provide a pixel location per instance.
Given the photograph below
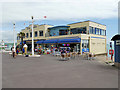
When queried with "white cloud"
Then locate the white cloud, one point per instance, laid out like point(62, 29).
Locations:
point(7, 35)
point(22, 10)
point(58, 9)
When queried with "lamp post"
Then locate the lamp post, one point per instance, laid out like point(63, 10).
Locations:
point(32, 38)
point(14, 35)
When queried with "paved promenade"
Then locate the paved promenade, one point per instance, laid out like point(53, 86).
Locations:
point(48, 72)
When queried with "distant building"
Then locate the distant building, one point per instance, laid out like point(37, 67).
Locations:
point(87, 36)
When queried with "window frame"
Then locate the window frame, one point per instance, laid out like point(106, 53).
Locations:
point(40, 33)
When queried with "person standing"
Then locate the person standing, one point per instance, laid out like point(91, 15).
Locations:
point(13, 52)
point(17, 51)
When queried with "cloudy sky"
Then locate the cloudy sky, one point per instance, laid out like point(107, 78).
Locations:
point(58, 12)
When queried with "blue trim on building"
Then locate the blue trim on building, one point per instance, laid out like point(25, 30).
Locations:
point(75, 40)
point(98, 37)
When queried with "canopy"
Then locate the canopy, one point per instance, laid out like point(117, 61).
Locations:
point(69, 40)
point(51, 41)
point(40, 42)
point(73, 40)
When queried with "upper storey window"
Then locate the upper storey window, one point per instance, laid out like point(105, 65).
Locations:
point(26, 35)
point(78, 30)
point(93, 30)
point(40, 33)
point(35, 33)
point(63, 32)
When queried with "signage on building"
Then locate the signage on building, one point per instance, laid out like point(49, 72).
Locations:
point(117, 42)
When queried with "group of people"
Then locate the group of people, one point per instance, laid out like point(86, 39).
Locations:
point(16, 51)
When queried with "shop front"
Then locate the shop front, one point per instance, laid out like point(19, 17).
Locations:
point(73, 43)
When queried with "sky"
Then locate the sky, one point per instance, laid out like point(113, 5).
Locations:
point(58, 12)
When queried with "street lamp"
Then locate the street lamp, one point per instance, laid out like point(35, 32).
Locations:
point(14, 35)
point(32, 37)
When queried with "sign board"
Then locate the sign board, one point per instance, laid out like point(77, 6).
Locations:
point(111, 52)
point(117, 42)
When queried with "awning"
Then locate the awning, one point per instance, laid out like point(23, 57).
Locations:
point(51, 41)
point(40, 42)
point(73, 40)
point(69, 40)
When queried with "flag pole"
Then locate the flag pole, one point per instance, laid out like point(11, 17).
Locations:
point(32, 38)
point(14, 35)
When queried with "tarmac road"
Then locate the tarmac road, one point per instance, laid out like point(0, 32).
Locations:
point(48, 72)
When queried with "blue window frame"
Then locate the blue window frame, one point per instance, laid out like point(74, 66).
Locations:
point(100, 31)
point(95, 30)
point(105, 32)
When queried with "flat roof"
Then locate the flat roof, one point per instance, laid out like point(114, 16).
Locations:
point(57, 27)
point(87, 21)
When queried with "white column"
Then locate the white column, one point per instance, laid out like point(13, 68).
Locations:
point(81, 47)
point(32, 38)
point(14, 35)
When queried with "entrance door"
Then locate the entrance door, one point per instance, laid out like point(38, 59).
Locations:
point(85, 46)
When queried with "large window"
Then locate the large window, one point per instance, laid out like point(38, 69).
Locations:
point(78, 30)
point(26, 35)
point(63, 32)
point(40, 33)
point(97, 31)
point(35, 33)
point(103, 32)
point(91, 30)
point(30, 34)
